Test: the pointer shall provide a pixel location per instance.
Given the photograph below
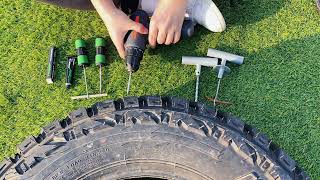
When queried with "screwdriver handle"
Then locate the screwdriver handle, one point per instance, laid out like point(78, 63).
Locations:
point(100, 51)
point(70, 71)
point(82, 52)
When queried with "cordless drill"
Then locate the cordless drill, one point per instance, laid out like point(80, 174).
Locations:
point(135, 43)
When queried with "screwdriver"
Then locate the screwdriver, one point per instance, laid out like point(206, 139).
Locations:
point(83, 59)
point(70, 71)
point(100, 57)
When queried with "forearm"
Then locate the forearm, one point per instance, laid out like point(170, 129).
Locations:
point(105, 8)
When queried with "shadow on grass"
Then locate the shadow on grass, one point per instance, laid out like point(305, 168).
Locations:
point(243, 12)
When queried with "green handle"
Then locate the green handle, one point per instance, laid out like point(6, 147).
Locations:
point(83, 59)
point(80, 43)
point(100, 51)
point(101, 42)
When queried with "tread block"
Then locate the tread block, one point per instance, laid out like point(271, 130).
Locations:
point(203, 110)
point(131, 102)
point(179, 104)
point(235, 123)
point(78, 115)
point(4, 166)
point(249, 151)
point(106, 106)
point(287, 162)
point(153, 101)
point(262, 141)
point(22, 167)
point(265, 163)
point(26, 145)
point(303, 176)
point(52, 128)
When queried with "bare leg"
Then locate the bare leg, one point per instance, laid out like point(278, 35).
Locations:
point(73, 4)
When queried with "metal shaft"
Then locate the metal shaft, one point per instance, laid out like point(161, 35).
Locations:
point(100, 79)
point(90, 96)
point(197, 88)
point(129, 83)
point(217, 92)
point(85, 81)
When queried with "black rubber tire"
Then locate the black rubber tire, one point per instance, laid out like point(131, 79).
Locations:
point(150, 136)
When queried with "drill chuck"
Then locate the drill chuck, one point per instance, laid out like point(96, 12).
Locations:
point(133, 57)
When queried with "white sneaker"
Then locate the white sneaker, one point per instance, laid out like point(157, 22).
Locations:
point(203, 12)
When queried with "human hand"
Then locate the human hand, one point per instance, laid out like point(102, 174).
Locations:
point(118, 28)
point(118, 23)
point(166, 22)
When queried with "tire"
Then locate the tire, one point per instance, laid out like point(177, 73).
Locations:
point(150, 137)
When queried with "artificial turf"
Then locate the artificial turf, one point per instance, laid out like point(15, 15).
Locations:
point(277, 90)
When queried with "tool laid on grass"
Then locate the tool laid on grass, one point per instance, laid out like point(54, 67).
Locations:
point(198, 62)
point(135, 43)
point(221, 68)
point(71, 62)
point(83, 62)
point(100, 57)
point(51, 65)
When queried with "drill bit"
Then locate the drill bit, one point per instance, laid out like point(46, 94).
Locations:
point(85, 81)
point(129, 83)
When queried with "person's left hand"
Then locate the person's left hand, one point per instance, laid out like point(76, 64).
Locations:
point(166, 22)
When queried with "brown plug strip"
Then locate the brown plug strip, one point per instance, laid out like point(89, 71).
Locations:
point(219, 102)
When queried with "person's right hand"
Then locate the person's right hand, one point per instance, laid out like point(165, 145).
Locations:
point(118, 23)
point(118, 26)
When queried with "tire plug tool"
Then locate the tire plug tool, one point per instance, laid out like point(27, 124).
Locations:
point(51, 65)
point(71, 62)
point(100, 57)
point(83, 60)
point(198, 62)
point(135, 43)
point(221, 68)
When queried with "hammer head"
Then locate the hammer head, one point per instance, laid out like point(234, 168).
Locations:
point(203, 61)
point(224, 55)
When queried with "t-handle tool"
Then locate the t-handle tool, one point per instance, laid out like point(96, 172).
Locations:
point(198, 62)
point(83, 60)
point(221, 68)
point(100, 57)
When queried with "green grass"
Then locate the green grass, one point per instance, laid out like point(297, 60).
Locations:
point(277, 90)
